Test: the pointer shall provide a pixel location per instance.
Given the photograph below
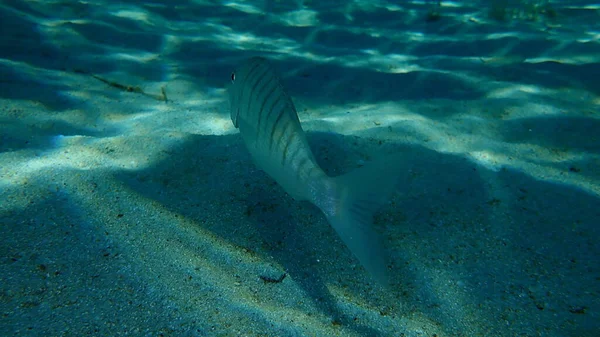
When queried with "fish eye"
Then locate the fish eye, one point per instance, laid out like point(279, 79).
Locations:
point(232, 77)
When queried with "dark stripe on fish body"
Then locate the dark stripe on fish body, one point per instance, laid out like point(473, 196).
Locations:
point(302, 162)
point(244, 98)
point(270, 110)
point(280, 110)
point(276, 111)
point(295, 152)
point(280, 114)
point(255, 91)
point(267, 91)
point(271, 100)
point(253, 79)
point(286, 138)
point(267, 95)
point(285, 152)
point(289, 141)
point(298, 156)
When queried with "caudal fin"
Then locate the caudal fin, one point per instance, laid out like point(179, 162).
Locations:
point(355, 197)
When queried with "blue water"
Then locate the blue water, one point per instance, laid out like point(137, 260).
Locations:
point(129, 204)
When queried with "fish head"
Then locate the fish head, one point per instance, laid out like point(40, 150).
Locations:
point(239, 78)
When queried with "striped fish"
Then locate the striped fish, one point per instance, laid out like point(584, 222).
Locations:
point(269, 125)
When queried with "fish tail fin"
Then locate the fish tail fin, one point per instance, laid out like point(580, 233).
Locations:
point(352, 199)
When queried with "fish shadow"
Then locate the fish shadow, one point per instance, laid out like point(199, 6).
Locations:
point(297, 235)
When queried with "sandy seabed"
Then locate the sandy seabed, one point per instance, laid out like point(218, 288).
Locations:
point(125, 214)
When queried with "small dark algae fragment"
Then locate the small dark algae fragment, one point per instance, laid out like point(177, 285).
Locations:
point(578, 310)
point(268, 279)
